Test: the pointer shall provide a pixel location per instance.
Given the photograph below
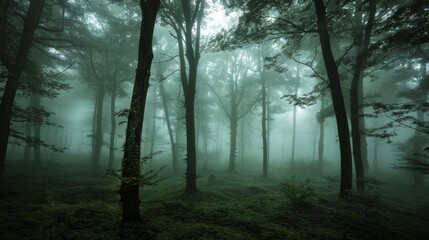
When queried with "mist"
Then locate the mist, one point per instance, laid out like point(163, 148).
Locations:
point(206, 119)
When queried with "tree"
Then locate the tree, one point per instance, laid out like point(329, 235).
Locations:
point(356, 95)
point(187, 27)
point(238, 83)
point(130, 182)
point(337, 99)
point(15, 65)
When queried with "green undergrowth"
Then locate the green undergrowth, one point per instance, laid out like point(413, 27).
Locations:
point(67, 202)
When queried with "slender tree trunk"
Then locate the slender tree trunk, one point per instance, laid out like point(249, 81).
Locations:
point(375, 156)
point(337, 98)
point(242, 141)
point(362, 125)
point(292, 156)
point(98, 128)
point(268, 122)
point(264, 128)
point(321, 137)
point(112, 148)
point(170, 130)
point(233, 119)
point(15, 70)
point(153, 138)
point(363, 42)
point(130, 185)
point(189, 88)
point(233, 142)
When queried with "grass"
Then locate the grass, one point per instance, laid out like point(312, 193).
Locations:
point(67, 202)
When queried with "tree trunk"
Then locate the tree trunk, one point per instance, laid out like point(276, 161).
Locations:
point(268, 109)
point(233, 142)
point(264, 128)
point(130, 185)
point(189, 88)
point(337, 98)
point(170, 130)
point(98, 128)
point(112, 148)
point(191, 158)
point(153, 138)
point(375, 155)
point(362, 45)
point(292, 155)
point(321, 137)
point(15, 70)
point(242, 141)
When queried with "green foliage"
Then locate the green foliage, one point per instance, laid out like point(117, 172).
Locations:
point(77, 205)
point(297, 192)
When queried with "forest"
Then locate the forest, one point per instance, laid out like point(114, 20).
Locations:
point(214, 119)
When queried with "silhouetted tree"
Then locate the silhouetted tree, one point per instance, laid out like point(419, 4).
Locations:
point(131, 178)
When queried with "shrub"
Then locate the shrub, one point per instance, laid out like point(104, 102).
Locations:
point(297, 192)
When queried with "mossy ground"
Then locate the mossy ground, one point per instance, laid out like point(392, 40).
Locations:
point(68, 202)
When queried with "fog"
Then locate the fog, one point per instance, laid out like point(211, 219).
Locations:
point(242, 94)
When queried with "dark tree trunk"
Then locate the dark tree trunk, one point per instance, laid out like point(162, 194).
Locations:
point(191, 158)
point(233, 140)
point(170, 130)
point(264, 128)
point(130, 185)
point(337, 98)
point(98, 128)
point(268, 109)
point(189, 88)
point(112, 148)
point(362, 45)
point(243, 124)
point(375, 155)
point(321, 137)
point(233, 121)
point(15, 70)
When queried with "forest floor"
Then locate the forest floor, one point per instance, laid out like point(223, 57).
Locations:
point(65, 201)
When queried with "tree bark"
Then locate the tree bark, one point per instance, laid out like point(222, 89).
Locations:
point(15, 70)
point(321, 147)
point(337, 98)
point(130, 184)
point(362, 45)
